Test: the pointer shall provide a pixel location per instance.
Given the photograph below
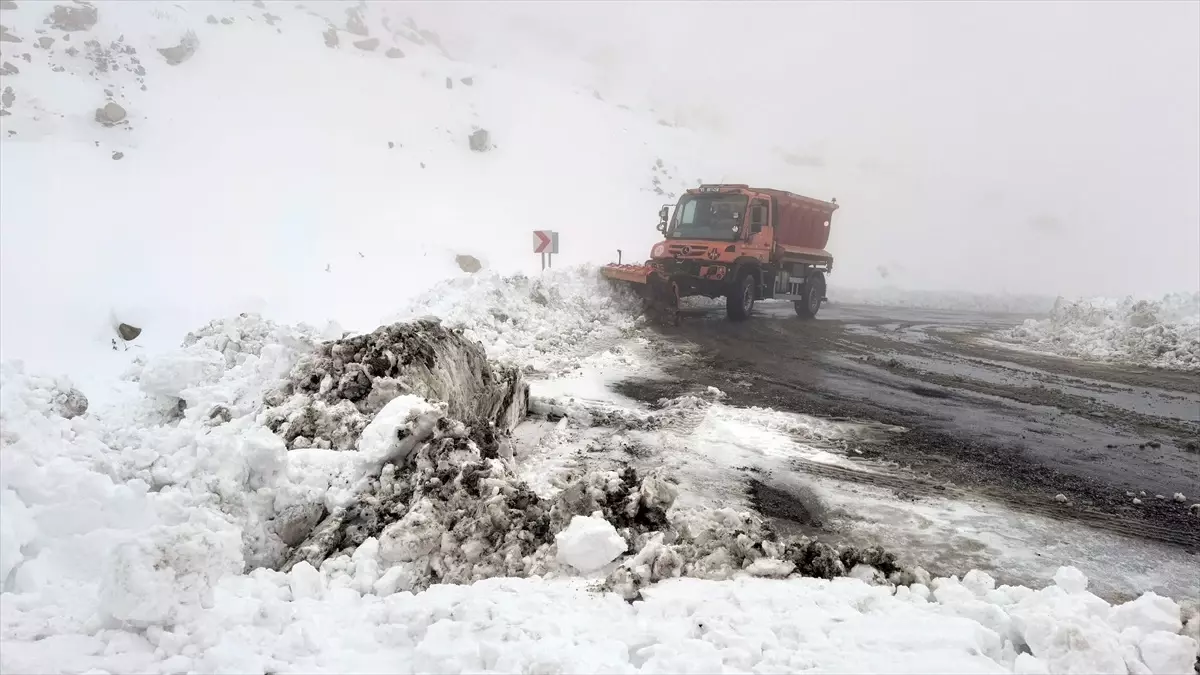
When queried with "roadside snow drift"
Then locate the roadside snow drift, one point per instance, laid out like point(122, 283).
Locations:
point(1161, 333)
point(141, 535)
point(543, 323)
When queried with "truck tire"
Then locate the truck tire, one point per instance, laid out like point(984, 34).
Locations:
point(740, 299)
point(814, 290)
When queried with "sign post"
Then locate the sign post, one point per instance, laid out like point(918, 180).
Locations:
point(545, 242)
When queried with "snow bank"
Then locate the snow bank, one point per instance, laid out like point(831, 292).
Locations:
point(127, 531)
point(147, 501)
point(307, 621)
point(543, 323)
point(1162, 333)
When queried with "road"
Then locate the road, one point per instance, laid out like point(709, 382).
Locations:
point(1010, 426)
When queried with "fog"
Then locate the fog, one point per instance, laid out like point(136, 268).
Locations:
point(1020, 147)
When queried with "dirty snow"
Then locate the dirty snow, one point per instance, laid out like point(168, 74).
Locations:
point(1161, 333)
point(171, 535)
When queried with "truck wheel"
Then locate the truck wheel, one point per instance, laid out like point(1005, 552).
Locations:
point(814, 290)
point(740, 299)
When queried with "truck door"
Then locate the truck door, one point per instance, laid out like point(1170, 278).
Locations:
point(761, 229)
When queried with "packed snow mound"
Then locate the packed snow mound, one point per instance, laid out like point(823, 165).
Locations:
point(543, 323)
point(182, 480)
point(314, 621)
point(176, 502)
point(1162, 333)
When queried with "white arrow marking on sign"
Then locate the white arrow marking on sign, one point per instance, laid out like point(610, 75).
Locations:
point(541, 241)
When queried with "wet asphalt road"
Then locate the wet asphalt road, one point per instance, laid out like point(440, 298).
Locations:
point(1018, 427)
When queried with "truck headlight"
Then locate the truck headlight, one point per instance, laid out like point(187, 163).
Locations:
point(658, 251)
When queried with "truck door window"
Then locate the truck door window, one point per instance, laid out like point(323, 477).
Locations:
point(758, 215)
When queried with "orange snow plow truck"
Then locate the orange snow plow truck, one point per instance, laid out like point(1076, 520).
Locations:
point(739, 242)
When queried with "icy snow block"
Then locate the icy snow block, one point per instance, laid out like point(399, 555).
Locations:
point(589, 543)
point(69, 404)
point(1164, 652)
point(1070, 580)
point(1148, 613)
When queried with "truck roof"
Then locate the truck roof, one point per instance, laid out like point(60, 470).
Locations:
point(829, 206)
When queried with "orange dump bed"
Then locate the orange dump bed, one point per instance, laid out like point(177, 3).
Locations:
point(801, 222)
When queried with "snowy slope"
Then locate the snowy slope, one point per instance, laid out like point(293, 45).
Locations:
point(1162, 333)
point(242, 187)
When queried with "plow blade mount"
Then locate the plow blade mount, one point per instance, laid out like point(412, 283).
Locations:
point(636, 274)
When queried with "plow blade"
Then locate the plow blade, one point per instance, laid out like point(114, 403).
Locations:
point(661, 296)
point(635, 274)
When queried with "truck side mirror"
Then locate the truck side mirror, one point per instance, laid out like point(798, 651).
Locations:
point(662, 218)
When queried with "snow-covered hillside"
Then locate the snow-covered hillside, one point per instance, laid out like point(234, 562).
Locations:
point(269, 171)
point(1162, 333)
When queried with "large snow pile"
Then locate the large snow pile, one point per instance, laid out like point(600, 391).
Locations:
point(1163, 333)
point(543, 323)
point(138, 526)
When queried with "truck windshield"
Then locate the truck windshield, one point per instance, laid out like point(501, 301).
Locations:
point(716, 217)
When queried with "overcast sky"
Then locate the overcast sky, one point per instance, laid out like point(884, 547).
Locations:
point(1009, 145)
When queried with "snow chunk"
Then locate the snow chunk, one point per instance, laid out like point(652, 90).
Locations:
point(773, 567)
point(167, 571)
point(1071, 580)
point(1148, 613)
point(589, 543)
point(382, 440)
point(1165, 652)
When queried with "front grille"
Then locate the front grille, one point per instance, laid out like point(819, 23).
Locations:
point(687, 251)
